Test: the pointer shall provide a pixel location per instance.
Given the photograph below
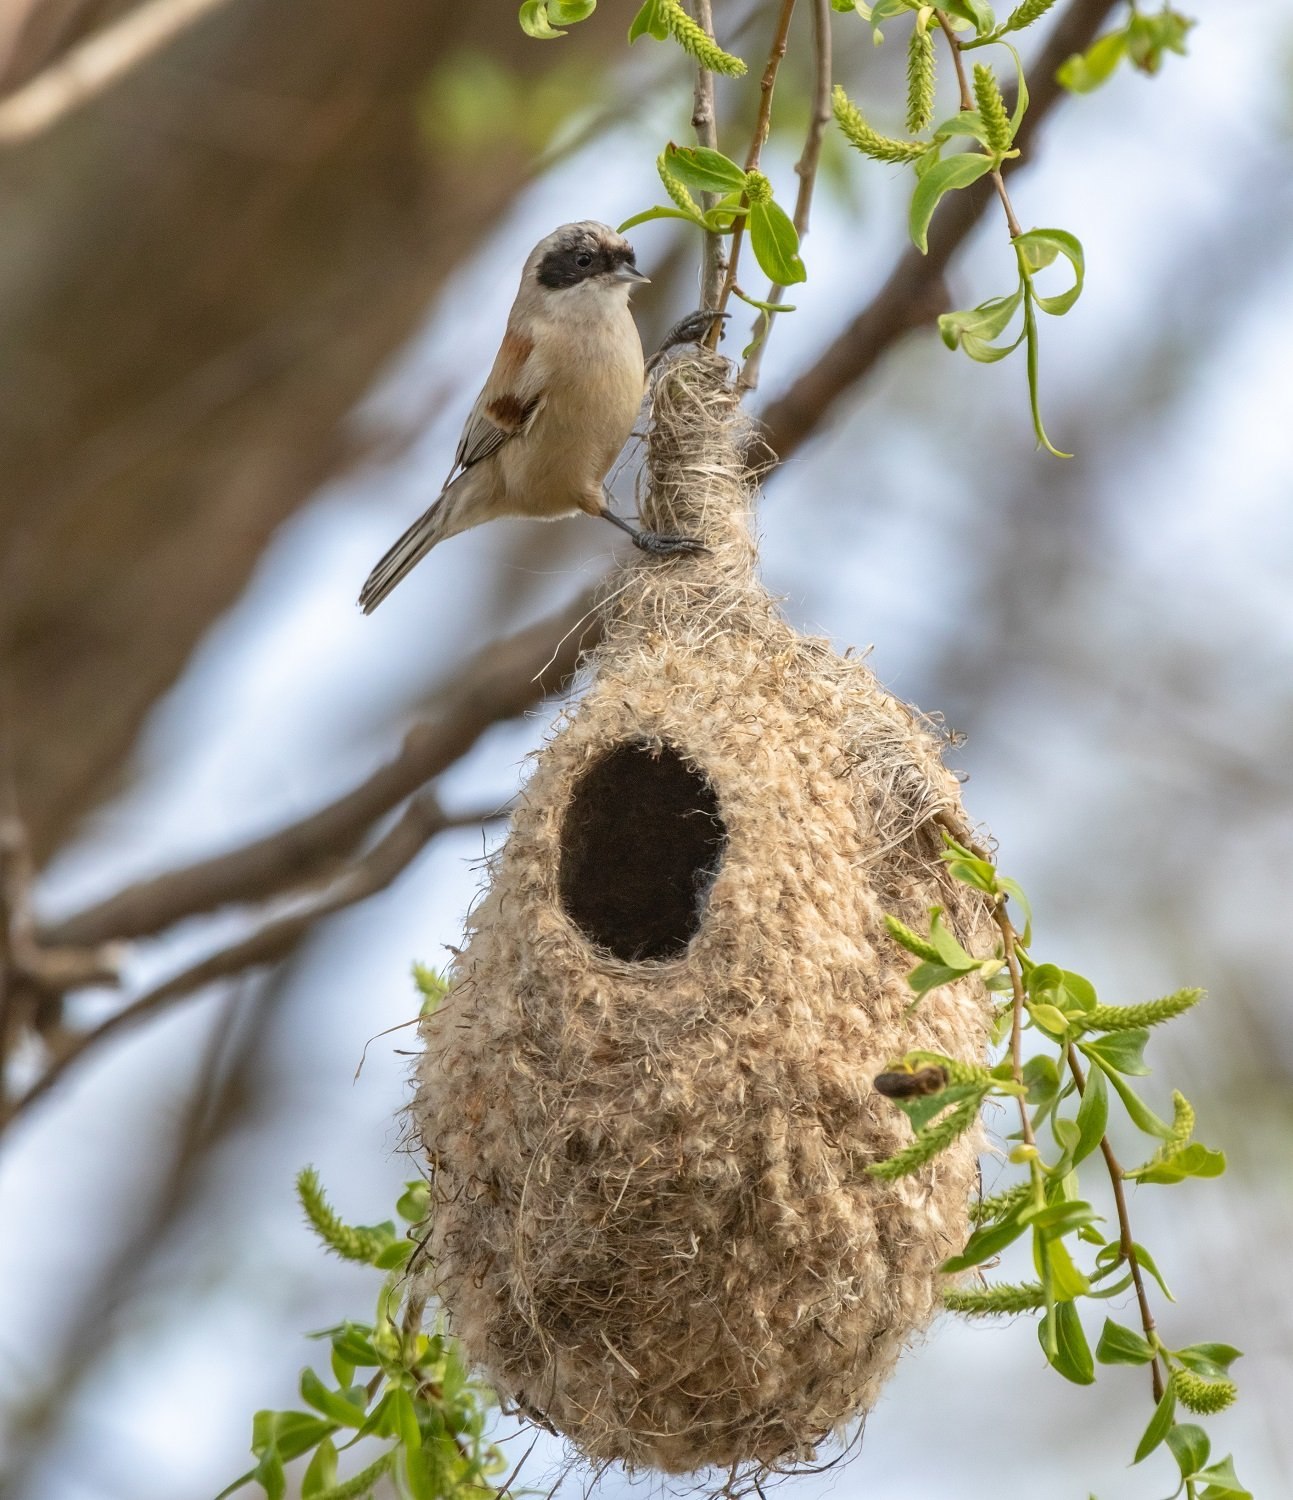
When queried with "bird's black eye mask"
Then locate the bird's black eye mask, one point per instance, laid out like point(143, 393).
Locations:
point(568, 265)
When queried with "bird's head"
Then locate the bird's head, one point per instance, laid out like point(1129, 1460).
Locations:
point(588, 256)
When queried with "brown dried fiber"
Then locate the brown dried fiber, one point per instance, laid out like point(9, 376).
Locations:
point(652, 1224)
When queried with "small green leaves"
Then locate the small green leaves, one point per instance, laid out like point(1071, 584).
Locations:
point(433, 987)
point(870, 142)
point(943, 177)
point(1122, 1346)
point(775, 241)
point(650, 21)
point(1160, 1424)
point(1064, 1343)
point(704, 171)
point(1143, 41)
point(542, 18)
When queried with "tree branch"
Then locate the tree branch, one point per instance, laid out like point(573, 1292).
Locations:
point(420, 822)
point(498, 683)
point(913, 294)
point(94, 65)
point(704, 121)
point(806, 168)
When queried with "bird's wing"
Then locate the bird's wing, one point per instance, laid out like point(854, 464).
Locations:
point(512, 398)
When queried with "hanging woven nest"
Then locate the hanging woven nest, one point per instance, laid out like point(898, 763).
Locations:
point(646, 1099)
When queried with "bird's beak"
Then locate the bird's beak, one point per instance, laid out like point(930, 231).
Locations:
point(630, 273)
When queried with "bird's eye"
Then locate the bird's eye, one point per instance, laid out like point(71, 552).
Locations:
point(583, 259)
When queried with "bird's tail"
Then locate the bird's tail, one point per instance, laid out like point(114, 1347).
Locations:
point(429, 528)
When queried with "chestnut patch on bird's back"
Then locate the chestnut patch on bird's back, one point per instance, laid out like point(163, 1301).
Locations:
point(640, 846)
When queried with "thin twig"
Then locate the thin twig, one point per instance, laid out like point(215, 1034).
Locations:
point(421, 821)
point(704, 122)
point(762, 124)
point(1126, 1244)
point(806, 167)
point(1009, 939)
point(95, 64)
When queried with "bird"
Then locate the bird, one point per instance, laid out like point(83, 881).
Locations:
point(557, 408)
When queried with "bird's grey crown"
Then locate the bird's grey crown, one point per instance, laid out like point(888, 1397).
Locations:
point(578, 252)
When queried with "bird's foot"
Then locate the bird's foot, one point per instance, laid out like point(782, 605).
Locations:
point(689, 330)
point(654, 542)
point(659, 544)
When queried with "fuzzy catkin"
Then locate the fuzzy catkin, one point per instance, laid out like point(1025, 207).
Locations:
point(653, 1227)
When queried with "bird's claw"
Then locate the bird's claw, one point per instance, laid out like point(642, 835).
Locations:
point(659, 545)
point(689, 330)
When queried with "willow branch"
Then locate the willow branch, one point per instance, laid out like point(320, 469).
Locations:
point(914, 294)
point(967, 103)
point(762, 124)
point(704, 120)
point(1126, 1244)
point(806, 168)
point(94, 65)
point(500, 682)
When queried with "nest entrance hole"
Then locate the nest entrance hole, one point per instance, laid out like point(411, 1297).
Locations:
point(640, 846)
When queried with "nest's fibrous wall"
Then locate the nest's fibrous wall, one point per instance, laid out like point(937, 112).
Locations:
point(653, 1227)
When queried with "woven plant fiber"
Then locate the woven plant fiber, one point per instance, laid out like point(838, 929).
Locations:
point(646, 1100)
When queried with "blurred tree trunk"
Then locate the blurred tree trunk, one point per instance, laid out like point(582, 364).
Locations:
point(201, 274)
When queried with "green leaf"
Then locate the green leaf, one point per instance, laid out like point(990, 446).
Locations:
point(353, 1343)
point(1122, 1346)
point(534, 21)
point(269, 1474)
point(395, 1256)
point(775, 243)
point(1051, 1019)
point(1190, 1448)
point(921, 1111)
point(1055, 1266)
point(1160, 1424)
point(568, 12)
point(1043, 1080)
point(1221, 1482)
point(322, 1472)
point(1092, 1116)
point(660, 212)
point(976, 12)
point(1120, 1050)
point(333, 1404)
point(1085, 71)
point(964, 123)
point(943, 177)
point(290, 1433)
point(1058, 1218)
point(413, 1201)
point(1072, 1357)
point(1195, 1161)
point(1142, 1116)
point(926, 976)
point(1039, 247)
point(949, 950)
point(1146, 1260)
point(703, 170)
point(984, 1243)
point(650, 21)
point(1210, 1360)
